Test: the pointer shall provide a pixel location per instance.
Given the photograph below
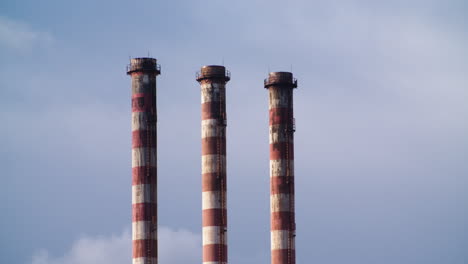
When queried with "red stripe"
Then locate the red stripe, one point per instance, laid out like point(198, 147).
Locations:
point(210, 145)
point(143, 72)
point(144, 175)
point(135, 95)
point(282, 221)
point(282, 150)
point(211, 252)
point(140, 138)
point(281, 116)
point(211, 110)
point(144, 102)
point(281, 185)
point(213, 217)
point(144, 212)
point(212, 182)
point(280, 256)
point(145, 248)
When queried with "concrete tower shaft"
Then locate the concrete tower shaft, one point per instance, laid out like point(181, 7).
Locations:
point(143, 72)
point(283, 227)
point(213, 81)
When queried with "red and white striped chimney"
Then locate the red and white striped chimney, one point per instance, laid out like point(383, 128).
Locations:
point(283, 227)
point(143, 72)
point(213, 80)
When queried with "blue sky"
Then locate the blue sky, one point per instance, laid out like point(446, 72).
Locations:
point(381, 140)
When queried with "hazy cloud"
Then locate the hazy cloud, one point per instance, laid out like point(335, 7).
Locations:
point(175, 247)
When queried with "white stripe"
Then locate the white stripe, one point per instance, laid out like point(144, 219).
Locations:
point(144, 230)
point(143, 193)
point(214, 262)
point(278, 134)
point(280, 202)
point(211, 200)
point(211, 235)
point(210, 85)
point(278, 98)
point(280, 240)
point(140, 121)
point(278, 168)
point(211, 92)
point(143, 157)
point(145, 260)
point(210, 128)
point(210, 163)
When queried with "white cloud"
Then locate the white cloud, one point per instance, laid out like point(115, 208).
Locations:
point(19, 36)
point(175, 247)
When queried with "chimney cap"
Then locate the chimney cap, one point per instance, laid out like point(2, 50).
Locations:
point(284, 79)
point(213, 72)
point(143, 64)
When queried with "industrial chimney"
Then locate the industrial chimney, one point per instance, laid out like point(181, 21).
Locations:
point(143, 72)
point(213, 81)
point(283, 227)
